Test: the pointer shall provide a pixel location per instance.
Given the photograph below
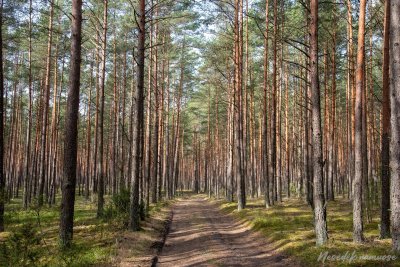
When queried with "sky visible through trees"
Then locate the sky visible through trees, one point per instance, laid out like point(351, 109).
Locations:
point(241, 100)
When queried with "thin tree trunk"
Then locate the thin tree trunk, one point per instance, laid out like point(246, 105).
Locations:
point(88, 134)
point(46, 97)
point(27, 179)
point(351, 98)
point(156, 120)
point(177, 126)
point(2, 178)
point(287, 144)
point(265, 162)
point(230, 138)
point(148, 143)
point(122, 180)
point(114, 152)
point(274, 105)
point(96, 120)
point(101, 173)
point(385, 142)
point(332, 149)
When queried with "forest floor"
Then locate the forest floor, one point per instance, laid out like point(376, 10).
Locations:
point(288, 227)
point(202, 235)
point(31, 237)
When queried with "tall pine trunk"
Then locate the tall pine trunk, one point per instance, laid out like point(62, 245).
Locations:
point(265, 162)
point(239, 170)
point(358, 170)
point(395, 120)
point(27, 179)
point(46, 97)
point(321, 230)
point(385, 170)
point(137, 137)
point(101, 171)
point(71, 129)
point(2, 178)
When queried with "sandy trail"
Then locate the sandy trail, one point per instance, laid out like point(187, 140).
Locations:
point(202, 235)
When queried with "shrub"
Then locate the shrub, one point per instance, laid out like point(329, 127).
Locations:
point(21, 247)
point(119, 207)
point(121, 201)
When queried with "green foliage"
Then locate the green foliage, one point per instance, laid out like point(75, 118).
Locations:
point(290, 229)
point(93, 242)
point(121, 201)
point(21, 247)
point(73, 256)
point(118, 208)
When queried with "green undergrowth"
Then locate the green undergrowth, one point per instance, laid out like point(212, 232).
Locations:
point(289, 228)
point(31, 237)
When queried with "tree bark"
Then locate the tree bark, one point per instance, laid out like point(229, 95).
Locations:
point(156, 120)
point(385, 142)
point(71, 129)
point(240, 180)
point(27, 179)
point(395, 120)
point(360, 87)
point(88, 135)
point(230, 138)
point(321, 230)
point(100, 185)
point(46, 97)
point(137, 137)
point(351, 98)
point(265, 162)
point(2, 178)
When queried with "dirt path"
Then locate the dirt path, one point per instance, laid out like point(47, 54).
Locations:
point(201, 235)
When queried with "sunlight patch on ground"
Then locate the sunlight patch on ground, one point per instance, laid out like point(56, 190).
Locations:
point(96, 241)
point(289, 226)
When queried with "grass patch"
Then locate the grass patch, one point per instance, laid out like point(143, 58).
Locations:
point(95, 240)
point(289, 227)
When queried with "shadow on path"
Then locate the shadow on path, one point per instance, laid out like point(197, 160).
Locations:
point(201, 235)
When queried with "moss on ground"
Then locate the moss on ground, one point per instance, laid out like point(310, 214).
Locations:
point(289, 228)
point(95, 240)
